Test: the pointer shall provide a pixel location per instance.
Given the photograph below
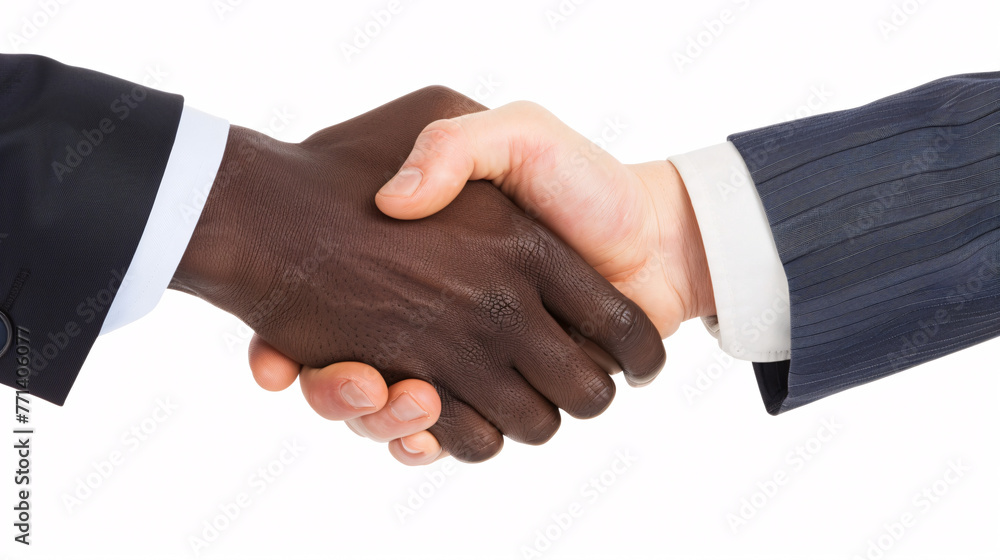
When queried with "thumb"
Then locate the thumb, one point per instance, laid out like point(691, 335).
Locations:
point(446, 155)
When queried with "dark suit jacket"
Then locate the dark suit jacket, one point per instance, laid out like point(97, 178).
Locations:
point(887, 222)
point(81, 158)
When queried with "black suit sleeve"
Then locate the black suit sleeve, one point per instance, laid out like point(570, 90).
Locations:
point(81, 159)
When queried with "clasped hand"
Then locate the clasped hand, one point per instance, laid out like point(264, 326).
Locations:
point(475, 300)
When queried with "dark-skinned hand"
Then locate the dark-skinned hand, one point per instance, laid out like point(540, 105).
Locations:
point(474, 300)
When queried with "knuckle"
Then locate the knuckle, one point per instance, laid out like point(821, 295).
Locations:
point(440, 137)
point(531, 247)
point(501, 311)
point(447, 102)
point(528, 249)
point(471, 354)
point(623, 321)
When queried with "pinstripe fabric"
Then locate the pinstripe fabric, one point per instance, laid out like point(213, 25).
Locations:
point(887, 221)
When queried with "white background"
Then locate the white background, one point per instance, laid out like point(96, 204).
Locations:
point(697, 457)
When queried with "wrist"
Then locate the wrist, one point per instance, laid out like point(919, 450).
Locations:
point(684, 263)
point(215, 259)
point(700, 278)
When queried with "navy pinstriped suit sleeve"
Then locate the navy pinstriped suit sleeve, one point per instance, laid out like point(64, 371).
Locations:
point(887, 222)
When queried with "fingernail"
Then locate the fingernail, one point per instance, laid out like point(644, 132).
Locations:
point(404, 184)
point(355, 396)
point(402, 442)
point(406, 409)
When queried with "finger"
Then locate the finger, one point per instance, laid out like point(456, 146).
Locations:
point(619, 327)
point(511, 404)
point(497, 393)
point(564, 373)
point(271, 369)
point(413, 407)
point(451, 152)
point(343, 391)
point(421, 448)
point(463, 433)
point(596, 353)
point(577, 295)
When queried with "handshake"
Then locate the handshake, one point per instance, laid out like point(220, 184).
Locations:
point(441, 276)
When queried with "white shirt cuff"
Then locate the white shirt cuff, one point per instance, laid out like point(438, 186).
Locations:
point(194, 160)
point(752, 320)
